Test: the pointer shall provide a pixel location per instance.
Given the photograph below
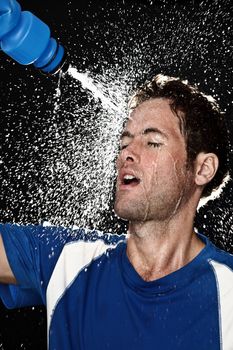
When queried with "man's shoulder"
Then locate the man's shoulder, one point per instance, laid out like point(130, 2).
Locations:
point(89, 244)
point(62, 233)
point(222, 257)
point(53, 240)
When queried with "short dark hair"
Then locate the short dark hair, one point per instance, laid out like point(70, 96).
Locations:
point(201, 121)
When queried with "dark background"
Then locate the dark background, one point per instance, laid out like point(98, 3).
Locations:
point(191, 40)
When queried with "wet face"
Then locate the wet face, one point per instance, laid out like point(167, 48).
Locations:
point(153, 180)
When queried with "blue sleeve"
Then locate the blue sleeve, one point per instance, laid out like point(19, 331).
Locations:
point(32, 252)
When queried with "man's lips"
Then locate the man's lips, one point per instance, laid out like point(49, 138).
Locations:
point(128, 179)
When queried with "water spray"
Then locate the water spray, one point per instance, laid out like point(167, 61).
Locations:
point(26, 39)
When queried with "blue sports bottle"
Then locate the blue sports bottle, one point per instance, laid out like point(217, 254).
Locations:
point(26, 39)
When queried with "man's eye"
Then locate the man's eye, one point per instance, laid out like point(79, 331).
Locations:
point(123, 147)
point(154, 144)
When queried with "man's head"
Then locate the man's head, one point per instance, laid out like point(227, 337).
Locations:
point(172, 129)
point(201, 121)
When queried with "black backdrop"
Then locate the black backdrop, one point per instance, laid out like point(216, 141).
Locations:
point(142, 38)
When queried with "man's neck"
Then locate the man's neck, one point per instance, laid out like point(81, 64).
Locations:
point(157, 249)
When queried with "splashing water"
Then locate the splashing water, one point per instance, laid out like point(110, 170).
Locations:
point(70, 139)
point(58, 159)
point(80, 169)
point(97, 92)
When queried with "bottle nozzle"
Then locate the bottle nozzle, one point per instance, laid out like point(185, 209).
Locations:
point(53, 59)
point(26, 39)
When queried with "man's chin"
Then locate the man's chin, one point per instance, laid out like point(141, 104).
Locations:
point(121, 212)
point(126, 213)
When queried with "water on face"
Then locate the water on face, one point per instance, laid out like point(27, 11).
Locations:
point(62, 138)
point(59, 135)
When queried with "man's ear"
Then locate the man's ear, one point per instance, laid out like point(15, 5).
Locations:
point(206, 165)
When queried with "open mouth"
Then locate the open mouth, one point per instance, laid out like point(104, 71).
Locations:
point(130, 180)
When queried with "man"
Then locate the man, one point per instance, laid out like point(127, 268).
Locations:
point(162, 286)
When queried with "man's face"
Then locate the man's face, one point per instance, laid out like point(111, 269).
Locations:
point(153, 179)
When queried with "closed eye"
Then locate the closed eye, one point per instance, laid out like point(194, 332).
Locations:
point(123, 147)
point(154, 144)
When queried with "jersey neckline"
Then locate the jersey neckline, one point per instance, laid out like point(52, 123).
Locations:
point(169, 283)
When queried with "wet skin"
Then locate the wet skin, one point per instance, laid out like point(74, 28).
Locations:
point(153, 150)
point(156, 191)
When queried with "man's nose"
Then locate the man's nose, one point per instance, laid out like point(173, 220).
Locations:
point(130, 154)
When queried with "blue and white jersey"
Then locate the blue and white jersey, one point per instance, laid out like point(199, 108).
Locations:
point(97, 301)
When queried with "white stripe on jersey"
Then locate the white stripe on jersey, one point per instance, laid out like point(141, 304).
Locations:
point(73, 259)
point(224, 280)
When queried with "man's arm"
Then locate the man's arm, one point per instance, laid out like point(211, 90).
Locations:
point(6, 274)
